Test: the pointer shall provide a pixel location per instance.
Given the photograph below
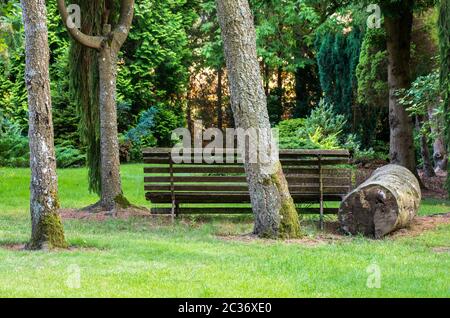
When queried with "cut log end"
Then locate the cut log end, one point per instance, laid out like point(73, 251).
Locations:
point(387, 201)
point(370, 211)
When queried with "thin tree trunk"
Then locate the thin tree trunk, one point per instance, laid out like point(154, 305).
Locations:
point(112, 194)
point(440, 153)
point(220, 98)
point(274, 209)
point(398, 31)
point(280, 110)
point(424, 151)
point(266, 79)
point(47, 229)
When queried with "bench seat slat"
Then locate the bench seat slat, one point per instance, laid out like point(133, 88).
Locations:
point(306, 188)
point(210, 169)
point(292, 179)
point(227, 197)
point(225, 210)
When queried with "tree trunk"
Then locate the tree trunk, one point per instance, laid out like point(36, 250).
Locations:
point(424, 150)
point(111, 194)
point(108, 45)
point(266, 79)
point(386, 202)
point(398, 31)
point(440, 154)
point(219, 99)
point(47, 229)
point(274, 209)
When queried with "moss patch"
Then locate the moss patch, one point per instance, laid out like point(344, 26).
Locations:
point(122, 202)
point(289, 227)
point(49, 233)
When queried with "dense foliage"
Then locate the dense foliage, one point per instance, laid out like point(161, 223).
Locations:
point(324, 72)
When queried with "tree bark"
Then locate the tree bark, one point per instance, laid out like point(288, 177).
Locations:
point(440, 153)
point(273, 207)
point(386, 202)
point(220, 98)
point(46, 227)
point(398, 30)
point(111, 193)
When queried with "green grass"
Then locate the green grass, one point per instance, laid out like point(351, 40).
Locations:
point(148, 258)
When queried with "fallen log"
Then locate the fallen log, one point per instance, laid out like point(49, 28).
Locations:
point(386, 202)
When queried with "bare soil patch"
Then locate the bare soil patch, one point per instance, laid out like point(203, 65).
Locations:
point(333, 234)
point(74, 214)
point(422, 224)
point(21, 247)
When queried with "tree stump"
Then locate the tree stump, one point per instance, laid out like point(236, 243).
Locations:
point(386, 202)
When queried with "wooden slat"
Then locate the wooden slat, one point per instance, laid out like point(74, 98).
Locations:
point(196, 179)
point(313, 162)
point(283, 152)
point(196, 169)
point(292, 180)
point(227, 197)
point(208, 169)
point(305, 188)
point(244, 210)
point(284, 161)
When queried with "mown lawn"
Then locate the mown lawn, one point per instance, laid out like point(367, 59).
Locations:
point(148, 258)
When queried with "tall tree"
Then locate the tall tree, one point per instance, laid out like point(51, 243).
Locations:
point(444, 36)
point(398, 24)
point(108, 45)
point(274, 209)
point(47, 229)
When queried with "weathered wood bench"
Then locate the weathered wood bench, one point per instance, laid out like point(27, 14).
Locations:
point(314, 177)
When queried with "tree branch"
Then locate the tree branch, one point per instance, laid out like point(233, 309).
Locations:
point(121, 31)
point(93, 42)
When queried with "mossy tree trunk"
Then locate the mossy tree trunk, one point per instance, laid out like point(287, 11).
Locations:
point(108, 45)
point(387, 201)
point(47, 229)
point(398, 24)
point(273, 207)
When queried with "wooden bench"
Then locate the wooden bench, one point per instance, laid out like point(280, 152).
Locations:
point(314, 177)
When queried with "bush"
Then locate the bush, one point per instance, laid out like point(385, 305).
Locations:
point(321, 130)
point(69, 157)
point(14, 149)
point(154, 128)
